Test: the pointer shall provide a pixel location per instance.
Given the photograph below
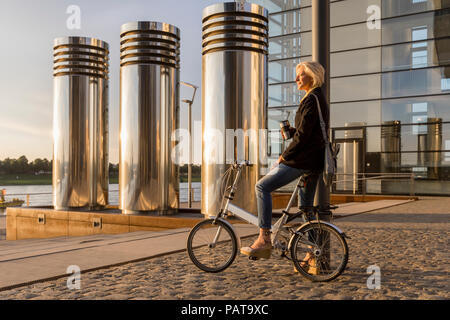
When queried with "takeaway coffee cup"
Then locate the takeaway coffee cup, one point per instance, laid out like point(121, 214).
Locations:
point(284, 125)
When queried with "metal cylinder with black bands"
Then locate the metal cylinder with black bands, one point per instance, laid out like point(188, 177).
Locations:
point(434, 142)
point(80, 123)
point(149, 114)
point(391, 142)
point(234, 100)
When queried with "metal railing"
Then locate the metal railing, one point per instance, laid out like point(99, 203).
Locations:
point(28, 201)
point(364, 177)
point(357, 183)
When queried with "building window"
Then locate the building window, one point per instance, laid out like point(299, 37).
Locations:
point(447, 147)
point(420, 107)
point(417, 34)
point(445, 84)
point(419, 59)
point(419, 54)
point(419, 115)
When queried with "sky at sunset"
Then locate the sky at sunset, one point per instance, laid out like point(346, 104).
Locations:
point(26, 81)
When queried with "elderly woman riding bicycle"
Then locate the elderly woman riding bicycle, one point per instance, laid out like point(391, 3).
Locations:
point(304, 155)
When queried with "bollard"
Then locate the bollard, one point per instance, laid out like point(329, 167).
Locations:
point(234, 99)
point(80, 123)
point(149, 114)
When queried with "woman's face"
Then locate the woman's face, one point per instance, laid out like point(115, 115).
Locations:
point(304, 81)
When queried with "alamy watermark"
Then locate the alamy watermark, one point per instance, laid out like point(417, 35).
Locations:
point(374, 280)
point(73, 22)
point(373, 21)
point(74, 280)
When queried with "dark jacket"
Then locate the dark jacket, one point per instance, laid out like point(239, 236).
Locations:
point(307, 149)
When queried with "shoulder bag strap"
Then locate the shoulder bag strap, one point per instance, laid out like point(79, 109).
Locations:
point(322, 123)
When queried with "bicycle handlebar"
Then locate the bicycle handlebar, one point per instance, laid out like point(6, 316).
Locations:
point(243, 163)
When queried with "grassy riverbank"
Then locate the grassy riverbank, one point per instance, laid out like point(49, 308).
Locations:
point(46, 179)
point(25, 179)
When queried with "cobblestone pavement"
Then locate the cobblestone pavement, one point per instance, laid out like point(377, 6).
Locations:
point(410, 247)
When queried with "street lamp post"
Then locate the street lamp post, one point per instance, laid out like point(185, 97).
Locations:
point(190, 102)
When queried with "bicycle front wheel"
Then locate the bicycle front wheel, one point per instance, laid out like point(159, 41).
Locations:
point(212, 246)
point(319, 252)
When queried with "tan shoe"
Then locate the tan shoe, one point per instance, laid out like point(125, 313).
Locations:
point(259, 253)
point(309, 265)
point(313, 267)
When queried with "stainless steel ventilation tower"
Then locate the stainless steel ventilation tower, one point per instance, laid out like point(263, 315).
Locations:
point(234, 99)
point(149, 114)
point(391, 143)
point(80, 123)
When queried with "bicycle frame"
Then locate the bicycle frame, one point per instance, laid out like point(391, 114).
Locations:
point(249, 217)
point(252, 219)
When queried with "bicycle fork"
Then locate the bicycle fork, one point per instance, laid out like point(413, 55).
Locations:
point(225, 209)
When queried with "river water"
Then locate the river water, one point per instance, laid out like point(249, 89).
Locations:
point(41, 195)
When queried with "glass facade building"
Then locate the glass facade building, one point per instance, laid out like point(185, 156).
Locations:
point(389, 89)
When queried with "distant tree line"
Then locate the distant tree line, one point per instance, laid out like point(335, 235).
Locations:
point(23, 166)
point(196, 170)
point(183, 170)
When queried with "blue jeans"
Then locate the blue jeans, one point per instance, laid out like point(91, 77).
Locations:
point(276, 178)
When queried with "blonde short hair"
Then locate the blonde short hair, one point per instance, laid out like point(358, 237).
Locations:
point(315, 71)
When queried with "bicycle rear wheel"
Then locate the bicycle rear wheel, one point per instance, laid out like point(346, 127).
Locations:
point(212, 246)
point(319, 252)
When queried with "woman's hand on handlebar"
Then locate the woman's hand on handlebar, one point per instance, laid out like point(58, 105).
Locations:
point(244, 163)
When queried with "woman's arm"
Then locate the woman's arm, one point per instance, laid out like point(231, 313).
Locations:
point(304, 128)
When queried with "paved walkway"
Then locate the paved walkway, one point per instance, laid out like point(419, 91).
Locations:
point(27, 261)
point(409, 243)
point(2, 227)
